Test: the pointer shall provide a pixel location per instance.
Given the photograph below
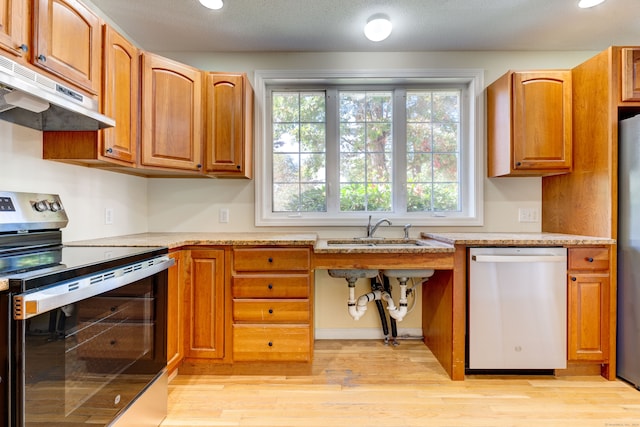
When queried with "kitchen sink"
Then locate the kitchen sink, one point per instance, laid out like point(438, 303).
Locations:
point(377, 242)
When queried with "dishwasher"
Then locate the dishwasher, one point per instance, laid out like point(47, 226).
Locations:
point(517, 308)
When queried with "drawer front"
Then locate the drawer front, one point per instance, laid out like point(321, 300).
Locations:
point(592, 258)
point(271, 343)
point(289, 286)
point(271, 311)
point(271, 259)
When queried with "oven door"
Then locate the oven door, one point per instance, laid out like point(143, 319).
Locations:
point(85, 350)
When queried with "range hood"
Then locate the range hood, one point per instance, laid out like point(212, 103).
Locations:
point(33, 100)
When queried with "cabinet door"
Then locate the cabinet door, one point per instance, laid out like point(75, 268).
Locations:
point(229, 116)
point(542, 121)
point(13, 27)
point(120, 97)
point(205, 301)
point(588, 325)
point(629, 74)
point(67, 37)
point(171, 114)
point(175, 311)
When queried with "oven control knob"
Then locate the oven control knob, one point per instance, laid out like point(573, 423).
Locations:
point(41, 205)
point(55, 206)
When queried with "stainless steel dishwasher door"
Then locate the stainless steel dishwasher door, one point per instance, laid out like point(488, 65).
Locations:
point(517, 308)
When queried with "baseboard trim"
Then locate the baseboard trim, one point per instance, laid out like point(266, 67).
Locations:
point(364, 333)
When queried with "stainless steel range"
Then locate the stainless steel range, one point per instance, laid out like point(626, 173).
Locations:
point(83, 339)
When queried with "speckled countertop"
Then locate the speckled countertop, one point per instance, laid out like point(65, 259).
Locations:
point(517, 239)
point(178, 239)
point(437, 242)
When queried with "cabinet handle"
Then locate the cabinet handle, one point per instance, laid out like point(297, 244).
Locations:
point(42, 58)
point(518, 164)
point(271, 311)
point(109, 150)
point(23, 47)
point(270, 286)
point(590, 259)
point(270, 259)
point(199, 166)
point(573, 279)
point(270, 344)
point(112, 342)
point(238, 167)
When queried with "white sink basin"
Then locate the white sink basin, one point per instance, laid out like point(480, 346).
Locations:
point(413, 272)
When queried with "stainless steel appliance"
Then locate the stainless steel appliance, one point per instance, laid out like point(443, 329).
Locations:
point(517, 308)
point(628, 331)
point(84, 328)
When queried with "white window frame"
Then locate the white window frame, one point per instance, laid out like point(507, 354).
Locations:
point(472, 162)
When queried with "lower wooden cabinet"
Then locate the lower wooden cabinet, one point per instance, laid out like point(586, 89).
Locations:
point(588, 304)
point(272, 306)
point(205, 303)
point(175, 310)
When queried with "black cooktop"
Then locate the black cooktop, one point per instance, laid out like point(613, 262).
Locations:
point(49, 266)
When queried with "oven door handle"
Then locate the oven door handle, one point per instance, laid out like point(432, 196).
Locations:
point(31, 304)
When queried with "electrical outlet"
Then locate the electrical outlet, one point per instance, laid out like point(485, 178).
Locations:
point(529, 215)
point(108, 216)
point(223, 215)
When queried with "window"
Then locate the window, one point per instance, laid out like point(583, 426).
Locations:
point(334, 150)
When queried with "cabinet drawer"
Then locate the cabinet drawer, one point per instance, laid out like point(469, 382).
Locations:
point(271, 343)
point(271, 259)
point(271, 311)
point(290, 286)
point(593, 258)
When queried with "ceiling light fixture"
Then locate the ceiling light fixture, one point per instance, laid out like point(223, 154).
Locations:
point(378, 27)
point(584, 4)
point(212, 4)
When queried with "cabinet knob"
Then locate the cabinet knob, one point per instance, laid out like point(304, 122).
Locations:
point(573, 279)
point(238, 167)
point(199, 166)
point(109, 150)
point(270, 286)
point(518, 164)
point(270, 344)
point(590, 259)
point(271, 311)
point(42, 58)
point(270, 259)
point(112, 342)
point(23, 47)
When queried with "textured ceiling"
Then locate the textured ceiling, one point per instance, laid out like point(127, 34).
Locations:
point(336, 25)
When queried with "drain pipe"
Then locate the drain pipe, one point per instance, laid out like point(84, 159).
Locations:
point(359, 307)
point(401, 311)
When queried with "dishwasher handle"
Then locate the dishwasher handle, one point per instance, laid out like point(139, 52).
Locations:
point(519, 258)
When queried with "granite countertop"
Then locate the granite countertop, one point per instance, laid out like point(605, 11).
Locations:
point(434, 242)
point(179, 239)
point(517, 239)
point(392, 246)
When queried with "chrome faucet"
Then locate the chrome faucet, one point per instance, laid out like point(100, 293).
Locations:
point(372, 229)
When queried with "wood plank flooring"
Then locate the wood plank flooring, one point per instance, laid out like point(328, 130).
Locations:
point(367, 384)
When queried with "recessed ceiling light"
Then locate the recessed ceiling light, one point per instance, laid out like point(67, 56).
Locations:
point(212, 4)
point(584, 4)
point(378, 28)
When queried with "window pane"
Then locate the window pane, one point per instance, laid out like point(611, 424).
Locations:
point(433, 151)
point(366, 148)
point(299, 146)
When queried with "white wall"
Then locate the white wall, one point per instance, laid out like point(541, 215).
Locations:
point(85, 193)
point(192, 205)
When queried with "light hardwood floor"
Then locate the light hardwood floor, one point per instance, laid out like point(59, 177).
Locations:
point(364, 383)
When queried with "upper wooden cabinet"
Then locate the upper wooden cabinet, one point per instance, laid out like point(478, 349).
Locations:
point(120, 94)
point(14, 15)
point(67, 42)
point(529, 129)
point(171, 122)
point(229, 121)
point(630, 80)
